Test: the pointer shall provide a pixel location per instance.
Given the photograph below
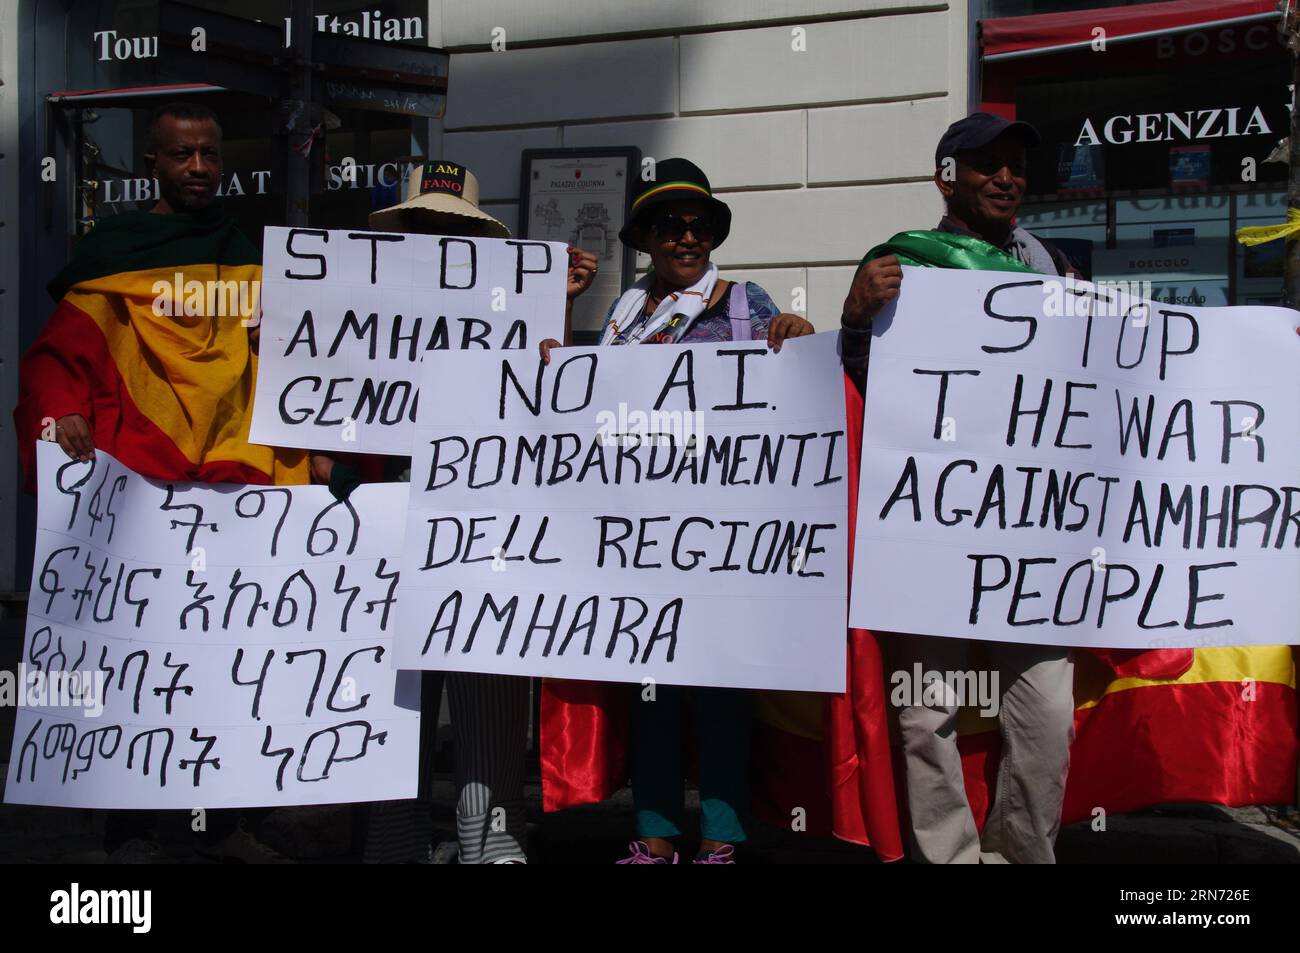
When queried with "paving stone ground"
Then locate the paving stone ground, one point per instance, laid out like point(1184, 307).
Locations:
point(598, 834)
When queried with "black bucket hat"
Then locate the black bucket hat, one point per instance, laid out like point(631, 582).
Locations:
point(673, 181)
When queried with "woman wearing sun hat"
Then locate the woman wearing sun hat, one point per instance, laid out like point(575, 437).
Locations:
point(683, 298)
point(677, 221)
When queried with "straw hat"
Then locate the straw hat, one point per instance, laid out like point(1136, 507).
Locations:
point(436, 189)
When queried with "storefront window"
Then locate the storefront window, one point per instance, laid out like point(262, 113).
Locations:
point(1183, 245)
point(113, 46)
point(1177, 243)
point(1181, 131)
point(1077, 228)
point(1154, 152)
point(1259, 269)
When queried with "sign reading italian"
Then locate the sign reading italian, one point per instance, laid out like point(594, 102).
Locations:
point(1057, 462)
point(201, 646)
point(636, 514)
point(347, 317)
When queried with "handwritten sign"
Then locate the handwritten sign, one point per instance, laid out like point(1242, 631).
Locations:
point(1060, 463)
point(347, 316)
point(674, 514)
point(194, 646)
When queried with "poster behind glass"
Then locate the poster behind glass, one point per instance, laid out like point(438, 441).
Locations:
point(580, 196)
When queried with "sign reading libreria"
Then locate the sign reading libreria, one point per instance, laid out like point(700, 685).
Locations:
point(1055, 462)
point(193, 646)
point(348, 315)
point(672, 514)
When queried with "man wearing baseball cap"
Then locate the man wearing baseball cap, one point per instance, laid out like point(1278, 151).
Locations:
point(980, 171)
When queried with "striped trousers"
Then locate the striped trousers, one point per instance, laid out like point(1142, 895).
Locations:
point(489, 725)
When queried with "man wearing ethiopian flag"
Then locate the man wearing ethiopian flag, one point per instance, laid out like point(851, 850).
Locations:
point(149, 356)
point(161, 380)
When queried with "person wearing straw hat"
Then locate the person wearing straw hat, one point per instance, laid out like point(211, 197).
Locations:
point(489, 713)
point(678, 222)
point(441, 199)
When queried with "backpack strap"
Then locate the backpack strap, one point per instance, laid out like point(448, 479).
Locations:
point(738, 312)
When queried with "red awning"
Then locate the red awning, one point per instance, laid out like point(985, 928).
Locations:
point(1008, 37)
point(102, 97)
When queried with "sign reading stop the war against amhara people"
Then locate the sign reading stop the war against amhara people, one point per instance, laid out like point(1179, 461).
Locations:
point(347, 316)
point(1057, 462)
point(674, 514)
point(195, 646)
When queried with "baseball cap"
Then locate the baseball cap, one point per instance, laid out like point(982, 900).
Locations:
point(979, 129)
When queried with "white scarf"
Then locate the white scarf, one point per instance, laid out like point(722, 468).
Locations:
point(628, 316)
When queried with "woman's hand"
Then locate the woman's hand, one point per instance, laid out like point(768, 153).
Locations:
point(545, 349)
point(786, 326)
point(341, 476)
point(582, 271)
point(322, 465)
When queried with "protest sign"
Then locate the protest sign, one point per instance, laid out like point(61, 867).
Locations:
point(1063, 463)
point(201, 646)
point(347, 316)
point(674, 514)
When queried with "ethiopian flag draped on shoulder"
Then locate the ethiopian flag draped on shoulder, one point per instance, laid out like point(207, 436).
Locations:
point(932, 249)
point(148, 344)
point(1215, 725)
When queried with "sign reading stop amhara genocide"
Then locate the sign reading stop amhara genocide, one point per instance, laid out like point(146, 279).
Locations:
point(347, 316)
point(1057, 462)
point(194, 646)
point(674, 514)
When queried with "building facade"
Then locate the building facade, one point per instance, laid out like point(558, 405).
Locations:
point(815, 120)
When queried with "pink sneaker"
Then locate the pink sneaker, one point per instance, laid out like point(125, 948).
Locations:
point(722, 855)
point(641, 855)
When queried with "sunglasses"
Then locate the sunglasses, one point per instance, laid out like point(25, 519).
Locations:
point(671, 228)
point(986, 163)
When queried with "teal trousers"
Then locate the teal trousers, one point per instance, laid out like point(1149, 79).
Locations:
point(722, 723)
